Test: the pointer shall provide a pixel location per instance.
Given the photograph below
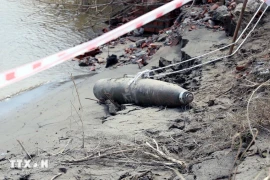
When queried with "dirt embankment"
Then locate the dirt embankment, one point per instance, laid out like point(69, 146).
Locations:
point(210, 139)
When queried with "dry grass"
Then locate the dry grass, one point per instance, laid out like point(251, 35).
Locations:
point(258, 107)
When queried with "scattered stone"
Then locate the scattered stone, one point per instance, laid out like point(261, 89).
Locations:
point(180, 126)
point(214, 7)
point(155, 37)
point(138, 32)
point(194, 14)
point(25, 177)
point(211, 103)
point(132, 39)
point(101, 60)
point(111, 60)
point(111, 107)
point(164, 62)
point(92, 53)
point(63, 170)
point(124, 176)
point(193, 129)
point(150, 132)
point(141, 54)
point(87, 61)
point(240, 67)
point(175, 40)
point(162, 37)
point(140, 42)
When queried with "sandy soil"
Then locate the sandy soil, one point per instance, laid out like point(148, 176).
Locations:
point(47, 124)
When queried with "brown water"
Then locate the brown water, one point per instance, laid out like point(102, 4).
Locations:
point(29, 32)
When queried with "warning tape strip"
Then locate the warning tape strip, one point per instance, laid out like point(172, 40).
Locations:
point(27, 70)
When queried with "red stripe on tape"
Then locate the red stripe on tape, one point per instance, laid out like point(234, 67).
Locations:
point(91, 48)
point(138, 25)
point(159, 15)
point(62, 54)
point(36, 65)
point(178, 4)
point(10, 76)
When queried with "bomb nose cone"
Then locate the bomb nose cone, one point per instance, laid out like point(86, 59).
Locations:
point(186, 97)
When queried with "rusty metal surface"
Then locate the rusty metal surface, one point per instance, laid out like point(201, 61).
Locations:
point(145, 92)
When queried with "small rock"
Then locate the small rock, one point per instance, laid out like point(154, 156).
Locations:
point(214, 7)
point(193, 129)
point(138, 32)
point(221, 117)
point(111, 107)
point(169, 32)
point(194, 14)
point(180, 126)
point(241, 67)
point(196, 79)
point(140, 54)
point(101, 60)
point(155, 37)
point(197, 110)
point(164, 62)
point(211, 103)
point(63, 170)
point(150, 132)
point(211, 23)
point(140, 42)
point(162, 37)
point(186, 21)
point(124, 176)
point(111, 60)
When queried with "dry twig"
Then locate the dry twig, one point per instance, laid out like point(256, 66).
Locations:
point(76, 91)
point(235, 166)
point(63, 150)
point(24, 150)
point(56, 176)
point(248, 104)
point(163, 155)
point(81, 122)
point(100, 156)
point(92, 99)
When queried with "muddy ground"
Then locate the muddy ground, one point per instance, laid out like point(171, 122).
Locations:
point(210, 139)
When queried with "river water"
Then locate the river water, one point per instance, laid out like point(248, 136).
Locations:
point(29, 32)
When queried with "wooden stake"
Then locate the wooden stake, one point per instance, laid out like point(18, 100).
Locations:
point(238, 25)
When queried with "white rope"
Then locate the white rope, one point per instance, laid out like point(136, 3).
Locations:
point(139, 75)
point(171, 65)
point(214, 60)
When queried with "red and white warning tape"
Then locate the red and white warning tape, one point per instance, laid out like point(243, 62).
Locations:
point(27, 70)
point(22, 72)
